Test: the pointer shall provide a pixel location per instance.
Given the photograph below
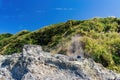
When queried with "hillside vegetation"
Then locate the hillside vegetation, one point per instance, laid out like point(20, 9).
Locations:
point(98, 38)
point(6, 35)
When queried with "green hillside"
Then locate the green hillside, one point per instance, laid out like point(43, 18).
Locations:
point(100, 39)
point(6, 35)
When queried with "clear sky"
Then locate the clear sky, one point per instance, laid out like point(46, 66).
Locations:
point(16, 15)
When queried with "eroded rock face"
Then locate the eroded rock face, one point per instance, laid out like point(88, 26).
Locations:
point(35, 64)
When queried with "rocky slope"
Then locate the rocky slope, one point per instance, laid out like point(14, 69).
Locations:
point(35, 64)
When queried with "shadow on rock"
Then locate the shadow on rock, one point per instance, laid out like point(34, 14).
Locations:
point(64, 66)
point(17, 69)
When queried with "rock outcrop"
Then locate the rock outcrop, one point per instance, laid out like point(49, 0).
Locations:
point(35, 64)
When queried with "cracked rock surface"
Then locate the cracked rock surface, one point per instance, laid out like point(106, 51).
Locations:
point(35, 64)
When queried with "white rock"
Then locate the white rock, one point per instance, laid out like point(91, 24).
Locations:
point(35, 64)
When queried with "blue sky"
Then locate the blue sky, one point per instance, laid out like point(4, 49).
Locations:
point(16, 15)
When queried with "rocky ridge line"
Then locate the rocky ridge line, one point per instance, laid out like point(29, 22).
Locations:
point(35, 64)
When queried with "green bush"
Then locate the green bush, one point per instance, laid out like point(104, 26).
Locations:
point(6, 35)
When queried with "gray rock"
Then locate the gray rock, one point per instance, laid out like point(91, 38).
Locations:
point(35, 64)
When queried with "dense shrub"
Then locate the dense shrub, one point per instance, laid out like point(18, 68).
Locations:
point(6, 35)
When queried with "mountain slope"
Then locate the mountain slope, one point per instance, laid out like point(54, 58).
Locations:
point(97, 38)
